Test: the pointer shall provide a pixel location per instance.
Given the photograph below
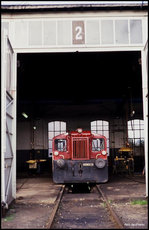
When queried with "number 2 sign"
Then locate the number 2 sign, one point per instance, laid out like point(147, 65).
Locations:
point(78, 32)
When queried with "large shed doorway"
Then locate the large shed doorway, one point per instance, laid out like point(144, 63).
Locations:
point(76, 88)
point(30, 36)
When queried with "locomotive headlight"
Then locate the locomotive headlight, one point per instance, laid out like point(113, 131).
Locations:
point(56, 153)
point(103, 152)
point(100, 163)
point(79, 130)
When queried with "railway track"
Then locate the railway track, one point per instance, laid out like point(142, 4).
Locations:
point(78, 209)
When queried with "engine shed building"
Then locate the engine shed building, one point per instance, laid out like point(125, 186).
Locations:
point(70, 65)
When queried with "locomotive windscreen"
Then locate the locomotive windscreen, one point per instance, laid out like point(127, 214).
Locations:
point(79, 148)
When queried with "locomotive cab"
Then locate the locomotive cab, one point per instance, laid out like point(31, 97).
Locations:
point(79, 157)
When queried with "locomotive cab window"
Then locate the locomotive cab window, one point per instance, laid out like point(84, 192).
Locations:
point(60, 145)
point(98, 144)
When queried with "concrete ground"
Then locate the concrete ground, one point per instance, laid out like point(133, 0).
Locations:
point(33, 205)
point(127, 196)
point(36, 196)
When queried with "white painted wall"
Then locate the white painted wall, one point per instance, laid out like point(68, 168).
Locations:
point(101, 30)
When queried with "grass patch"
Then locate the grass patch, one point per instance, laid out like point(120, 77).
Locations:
point(140, 202)
point(104, 204)
point(9, 217)
point(110, 201)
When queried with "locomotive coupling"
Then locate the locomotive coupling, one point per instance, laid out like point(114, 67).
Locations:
point(100, 163)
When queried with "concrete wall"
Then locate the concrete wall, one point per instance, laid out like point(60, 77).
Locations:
point(29, 138)
point(34, 142)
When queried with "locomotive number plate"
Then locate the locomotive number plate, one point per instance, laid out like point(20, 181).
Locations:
point(88, 164)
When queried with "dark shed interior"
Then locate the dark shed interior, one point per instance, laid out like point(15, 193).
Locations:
point(78, 86)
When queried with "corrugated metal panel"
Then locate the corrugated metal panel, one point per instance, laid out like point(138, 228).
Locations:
point(73, 2)
point(69, 4)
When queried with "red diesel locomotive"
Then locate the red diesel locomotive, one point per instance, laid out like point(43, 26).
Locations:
point(79, 157)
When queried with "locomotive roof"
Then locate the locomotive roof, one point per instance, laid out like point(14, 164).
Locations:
point(76, 133)
point(83, 131)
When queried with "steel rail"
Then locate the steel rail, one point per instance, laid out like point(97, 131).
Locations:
point(117, 220)
point(55, 208)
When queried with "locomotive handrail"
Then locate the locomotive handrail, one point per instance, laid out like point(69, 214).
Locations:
point(98, 155)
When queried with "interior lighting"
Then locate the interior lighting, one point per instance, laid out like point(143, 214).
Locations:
point(24, 115)
point(34, 127)
point(132, 113)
